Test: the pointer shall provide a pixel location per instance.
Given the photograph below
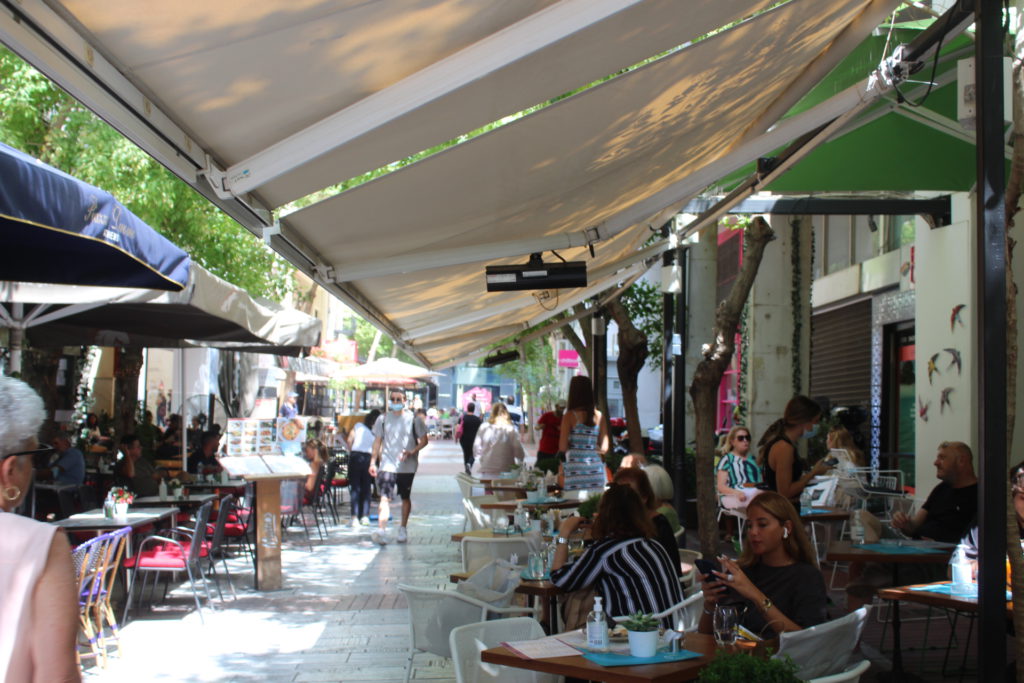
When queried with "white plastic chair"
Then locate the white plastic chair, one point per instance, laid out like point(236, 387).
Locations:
point(476, 552)
point(434, 613)
point(825, 649)
point(685, 615)
point(851, 675)
point(466, 643)
point(689, 557)
point(477, 518)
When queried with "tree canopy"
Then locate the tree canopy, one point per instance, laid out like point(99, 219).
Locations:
point(42, 120)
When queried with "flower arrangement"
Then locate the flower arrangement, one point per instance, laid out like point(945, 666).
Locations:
point(119, 494)
point(174, 485)
point(640, 622)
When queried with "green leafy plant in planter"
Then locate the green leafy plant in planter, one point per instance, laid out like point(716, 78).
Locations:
point(741, 667)
point(588, 508)
point(641, 622)
point(547, 465)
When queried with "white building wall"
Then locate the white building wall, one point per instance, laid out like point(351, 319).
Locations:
point(702, 284)
point(946, 273)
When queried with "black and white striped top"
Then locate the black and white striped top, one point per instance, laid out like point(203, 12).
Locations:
point(631, 575)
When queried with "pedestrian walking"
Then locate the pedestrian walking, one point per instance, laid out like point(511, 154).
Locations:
point(399, 437)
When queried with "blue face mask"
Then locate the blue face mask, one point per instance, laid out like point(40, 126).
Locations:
point(397, 405)
point(810, 432)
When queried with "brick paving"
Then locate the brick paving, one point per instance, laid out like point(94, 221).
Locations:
point(339, 617)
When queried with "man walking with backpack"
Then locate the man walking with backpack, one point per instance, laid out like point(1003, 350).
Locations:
point(399, 436)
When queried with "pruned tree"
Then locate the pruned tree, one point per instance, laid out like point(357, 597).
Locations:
point(633, 352)
point(707, 377)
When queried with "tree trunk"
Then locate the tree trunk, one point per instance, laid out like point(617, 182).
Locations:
point(708, 376)
point(126, 389)
point(632, 356)
point(580, 344)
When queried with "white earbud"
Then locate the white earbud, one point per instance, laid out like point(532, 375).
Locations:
point(785, 532)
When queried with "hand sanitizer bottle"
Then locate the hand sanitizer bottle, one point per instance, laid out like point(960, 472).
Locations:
point(520, 519)
point(162, 490)
point(597, 628)
point(856, 526)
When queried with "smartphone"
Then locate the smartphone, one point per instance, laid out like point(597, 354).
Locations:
point(705, 567)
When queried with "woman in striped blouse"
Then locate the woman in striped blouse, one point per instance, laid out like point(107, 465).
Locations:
point(626, 565)
point(737, 468)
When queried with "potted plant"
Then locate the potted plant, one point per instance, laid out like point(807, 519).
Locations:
point(122, 497)
point(588, 508)
point(744, 666)
point(534, 485)
point(174, 488)
point(642, 630)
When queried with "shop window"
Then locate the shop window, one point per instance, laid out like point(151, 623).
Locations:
point(837, 243)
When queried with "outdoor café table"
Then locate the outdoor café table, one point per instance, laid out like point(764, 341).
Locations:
point(189, 502)
point(934, 595)
point(894, 554)
point(483, 533)
point(94, 521)
point(824, 514)
point(580, 667)
point(549, 503)
point(230, 485)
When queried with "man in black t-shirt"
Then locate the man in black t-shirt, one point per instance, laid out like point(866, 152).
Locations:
point(944, 516)
point(470, 426)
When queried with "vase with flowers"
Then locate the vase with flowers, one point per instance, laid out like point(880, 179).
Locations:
point(122, 498)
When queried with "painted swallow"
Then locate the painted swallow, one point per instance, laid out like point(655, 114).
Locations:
point(933, 369)
point(944, 400)
point(922, 409)
point(957, 361)
point(955, 317)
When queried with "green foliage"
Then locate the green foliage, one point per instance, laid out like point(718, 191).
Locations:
point(588, 508)
point(640, 622)
point(44, 121)
point(534, 369)
point(741, 667)
point(364, 334)
point(643, 302)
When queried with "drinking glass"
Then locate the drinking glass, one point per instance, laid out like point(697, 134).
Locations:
point(500, 523)
point(576, 543)
point(726, 619)
point(535, 566)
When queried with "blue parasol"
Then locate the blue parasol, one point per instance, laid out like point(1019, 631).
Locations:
point(58, 229)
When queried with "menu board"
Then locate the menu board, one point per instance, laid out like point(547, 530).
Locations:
point(273, 436)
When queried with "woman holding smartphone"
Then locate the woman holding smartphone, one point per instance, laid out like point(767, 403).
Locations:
point(777, 576)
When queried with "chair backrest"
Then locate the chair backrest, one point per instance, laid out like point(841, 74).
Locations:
point(87, 559)
point(434, 613)
point(685, 614)
point(291, 495)
point(826, 648)
point(478, 518)
point(465, 483)
point(115, 548)
point(226, 509)
point(466, 643)
point(476, 552)
point(823, 492)
point(199, 534)
point(852, 674)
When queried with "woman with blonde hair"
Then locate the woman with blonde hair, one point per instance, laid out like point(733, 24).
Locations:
point(737, 468)
point(661, 484)
point(777, 575)
point(497, 446)
point(39, 605)
point(840, 437)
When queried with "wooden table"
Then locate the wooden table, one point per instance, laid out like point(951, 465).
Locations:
point(844, 551)
point(487, 533)
point(268, 528)
point(510, 505)
point(93, 520)
point(827, 514)
point(580, 667)
point(191, 501)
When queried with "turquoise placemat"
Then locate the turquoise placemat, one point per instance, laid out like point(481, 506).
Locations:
point(813, 511)
point(890, 549)
point(946, 589)
point(524, 574)
point(613, 659)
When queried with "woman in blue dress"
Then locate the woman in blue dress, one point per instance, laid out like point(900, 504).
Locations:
point(584, 440)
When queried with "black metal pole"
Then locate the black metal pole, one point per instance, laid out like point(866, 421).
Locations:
point(679, 393)
point(991, 298)
point(668, 259)
point(600, 358)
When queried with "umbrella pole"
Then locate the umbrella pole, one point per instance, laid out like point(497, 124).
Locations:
point(184, 423)
point(16, 342)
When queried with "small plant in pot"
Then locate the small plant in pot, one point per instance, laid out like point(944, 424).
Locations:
point(642, 630)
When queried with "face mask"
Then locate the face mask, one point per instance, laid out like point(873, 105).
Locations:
point(397, 405)
point(810, 432)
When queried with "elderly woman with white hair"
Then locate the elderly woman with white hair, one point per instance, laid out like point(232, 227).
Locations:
point(38, 604)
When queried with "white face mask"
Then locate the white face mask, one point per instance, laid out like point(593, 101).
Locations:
point(810, 432)
point(397, 406)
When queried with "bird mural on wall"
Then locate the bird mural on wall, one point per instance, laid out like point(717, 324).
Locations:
point(922, 409)
point(944, 400)
point(955, 318)
point(933, 369)
point(957, 360)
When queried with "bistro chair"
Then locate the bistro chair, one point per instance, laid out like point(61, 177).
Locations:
point(292, 493)
point(476, 552)
point(685, 614)
point(476, 517)
point(689, 557)
point(163, 554)
point(466, 643)
point(218, 534)
point(103, 610)
point(434, 613)
point(87, 560)
point(825, 649)
point(852, 674)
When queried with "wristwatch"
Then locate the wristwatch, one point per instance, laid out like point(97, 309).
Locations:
point(766, 604)
point(561, 540)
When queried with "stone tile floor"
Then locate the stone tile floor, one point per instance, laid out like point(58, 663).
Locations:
point(340, 616)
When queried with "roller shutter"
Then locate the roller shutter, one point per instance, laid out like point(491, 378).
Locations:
point(841, 354)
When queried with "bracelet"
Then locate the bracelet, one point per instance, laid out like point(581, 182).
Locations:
point(561, 540)
point(766, 604)
point(708, 612)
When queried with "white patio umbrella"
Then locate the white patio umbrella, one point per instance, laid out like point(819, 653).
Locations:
point(386, 371)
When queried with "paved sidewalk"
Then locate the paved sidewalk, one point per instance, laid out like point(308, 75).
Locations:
point(340, 616)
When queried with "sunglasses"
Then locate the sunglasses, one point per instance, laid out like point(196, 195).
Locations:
point(742, 437)
point(43, 449)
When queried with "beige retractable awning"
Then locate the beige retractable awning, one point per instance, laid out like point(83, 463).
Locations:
point(274, 100)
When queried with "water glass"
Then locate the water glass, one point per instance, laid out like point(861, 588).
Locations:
point(500, 523)
point(535, 567)
point(725, 621)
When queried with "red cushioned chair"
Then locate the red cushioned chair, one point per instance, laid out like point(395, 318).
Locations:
point(161, 554)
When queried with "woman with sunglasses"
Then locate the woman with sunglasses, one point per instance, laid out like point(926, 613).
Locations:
point(38, 602)
point(737, 469)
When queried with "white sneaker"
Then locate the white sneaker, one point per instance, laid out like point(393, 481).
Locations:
point(355, 524)
point(379, 537)
point(365, 521)
point(403, 536)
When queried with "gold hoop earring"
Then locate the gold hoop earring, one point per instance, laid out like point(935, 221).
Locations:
point(12, 496)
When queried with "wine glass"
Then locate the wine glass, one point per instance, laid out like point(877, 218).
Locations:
point(725, 619)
